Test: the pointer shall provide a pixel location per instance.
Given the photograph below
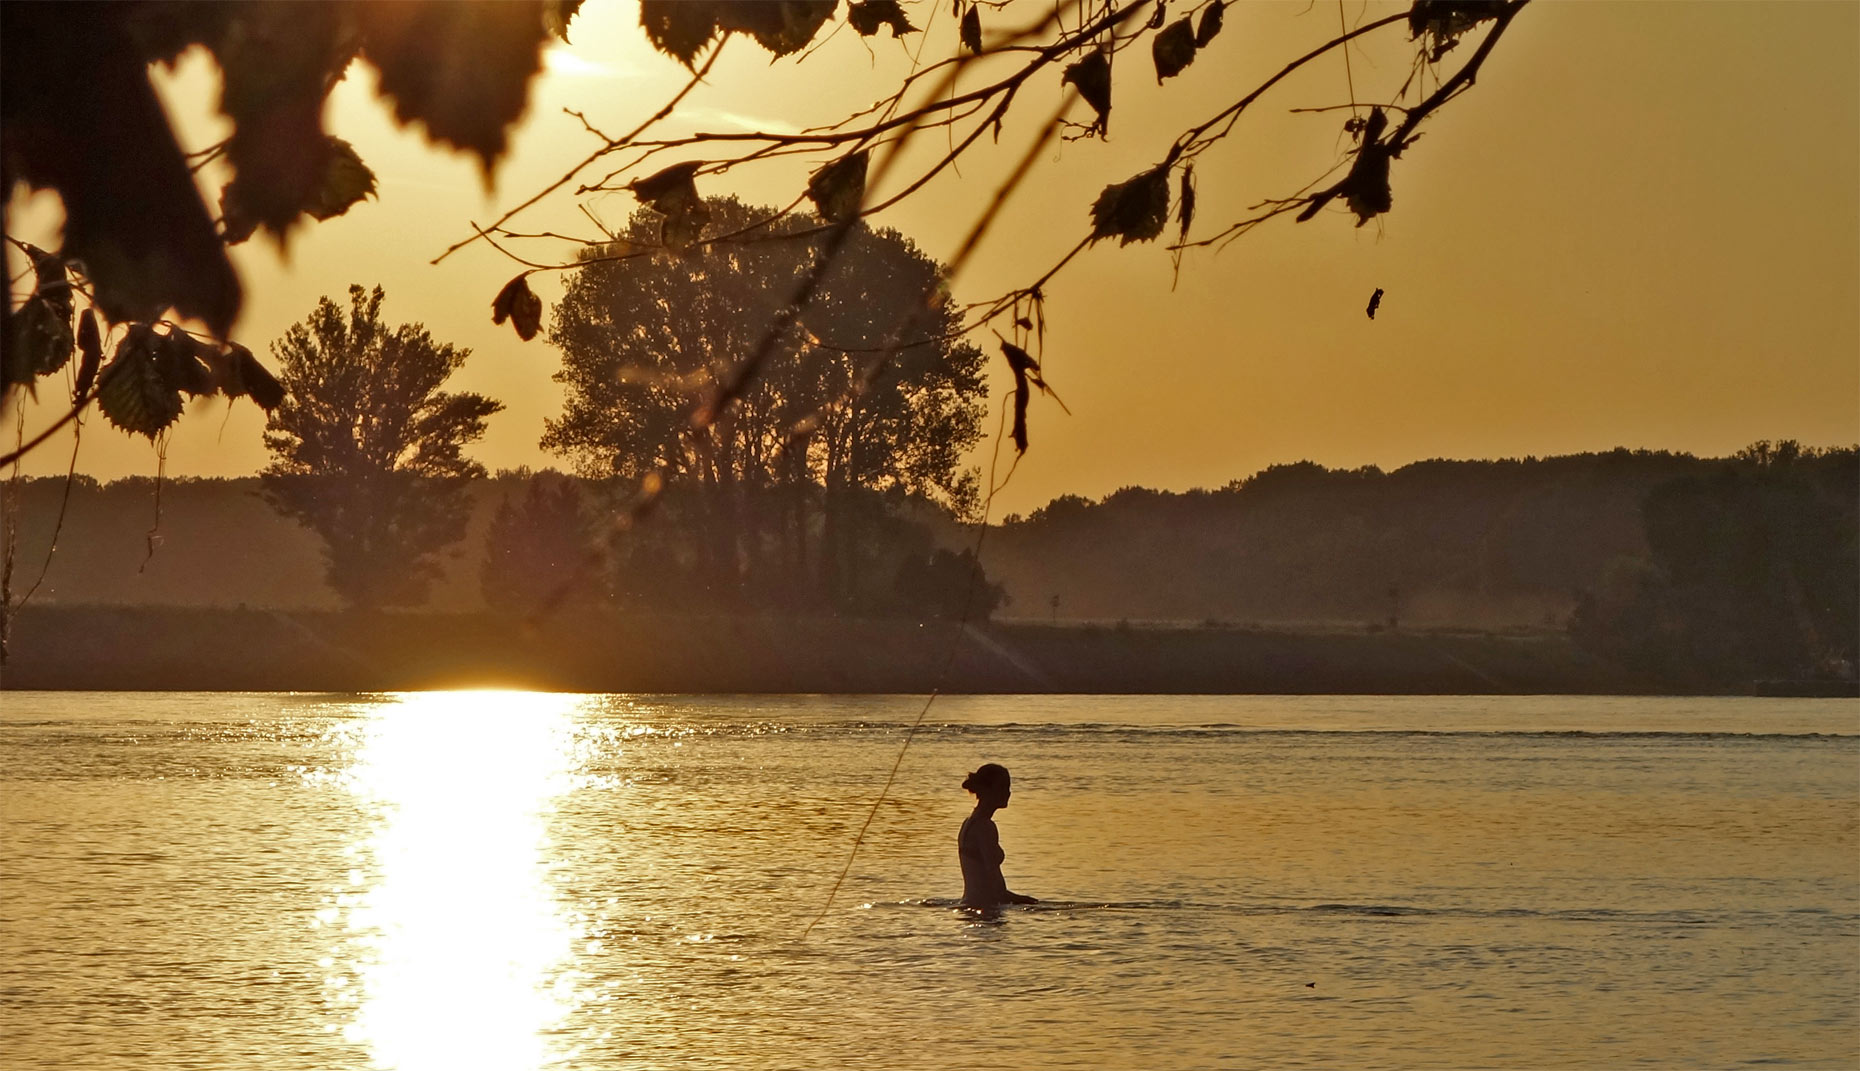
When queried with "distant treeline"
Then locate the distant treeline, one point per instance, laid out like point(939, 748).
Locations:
point(1661, 558)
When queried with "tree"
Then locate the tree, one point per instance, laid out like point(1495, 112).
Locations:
point(535, 545)
point(368, 451)
point(824, 432)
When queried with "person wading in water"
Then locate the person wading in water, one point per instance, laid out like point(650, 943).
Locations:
point(978, 846)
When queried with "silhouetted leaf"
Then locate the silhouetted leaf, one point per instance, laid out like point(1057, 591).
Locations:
point(972, 30)
point(521, 305)
point(277, 63)
point(345, 181)
point(1186, 209)
point(462, 69)
point(1092, 76)
point(557, 14)
point(1133, 210)
point(679, 28)
point(1173, 49)
point(180, 359)
point(1375, 302)
point(866, 16)
point(50, 281)
point(837, 188)
point(90, 355)
point(781, 26)
point(135, 396)
point(1019, 361)
point(81, 117)
point(39, 341)
point(254, 380)
point(1443, 21)
point(1366, 187)
point(1210, 24)
point(1157, 16)
point(672, 192)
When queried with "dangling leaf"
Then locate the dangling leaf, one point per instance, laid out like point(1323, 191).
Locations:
point(1366, 187)
point(252, 379)
point(135, 397)
point(90, 355)
point(1092, 76)
point(1210, 24)
point(50, 281)
point(1133, 210)
point(1019, 362)
point(557, 14)
point(345, 181)
point(837, 188)
point(866, 16)
point(1173, 49)
point(781, 26)
point(462, 70)
point(1186, 209)
point(40, 341)
point(517, 302)
point(972, 30)
point(679, 28)
point(672, 193)
point(179, 361)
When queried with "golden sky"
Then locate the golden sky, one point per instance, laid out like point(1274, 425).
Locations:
point(1641, 228)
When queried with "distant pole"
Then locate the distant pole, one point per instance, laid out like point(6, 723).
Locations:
point(1054, 603)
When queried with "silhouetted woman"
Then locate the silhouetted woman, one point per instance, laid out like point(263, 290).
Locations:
point(978, 846)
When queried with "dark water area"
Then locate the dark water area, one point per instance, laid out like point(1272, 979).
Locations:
point(512, 880)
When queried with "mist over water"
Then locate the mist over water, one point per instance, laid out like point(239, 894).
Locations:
point(527, 880)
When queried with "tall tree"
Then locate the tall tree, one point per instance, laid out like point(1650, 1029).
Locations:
point(535, 545)
point(866, 394)
point(367, 451)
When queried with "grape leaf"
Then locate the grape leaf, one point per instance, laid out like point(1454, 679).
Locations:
point(866, 16)
point(837, 188)
point(135, 396)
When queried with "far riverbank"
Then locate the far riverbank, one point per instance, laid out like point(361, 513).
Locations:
point(141, 648)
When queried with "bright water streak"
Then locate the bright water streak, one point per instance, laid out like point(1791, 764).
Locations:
point(518, 880)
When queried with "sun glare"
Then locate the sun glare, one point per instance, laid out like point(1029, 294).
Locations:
point(458, 953)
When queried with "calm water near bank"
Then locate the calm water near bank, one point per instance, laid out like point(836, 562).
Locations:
point(507, 881)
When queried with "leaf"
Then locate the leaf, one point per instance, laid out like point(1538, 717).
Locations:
point(180, 362)
point(866, 16)
point(134, 396)
point(679, 28)
point(1019, 361)
point(50, 281)
point(972, 30)
point(781, 26)
point(1375, 302)
point(1366, 187)
point(40, 341)
point(557, 14)
point(838, 187)
point(461, 69)
point(82, 118)
point(1210, 24)
point(672, 192)
point(90, 354)
point(1092, 76)
point(346, 180)
point(277, 63)
point(1173, 49)
point(1186, 209)
point(517, 302)
point(251, 379)
point(1133, 210)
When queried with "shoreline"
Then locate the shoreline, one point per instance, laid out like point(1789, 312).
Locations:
point(187, 649)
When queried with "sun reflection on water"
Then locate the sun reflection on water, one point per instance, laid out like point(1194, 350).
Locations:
point(457, 954)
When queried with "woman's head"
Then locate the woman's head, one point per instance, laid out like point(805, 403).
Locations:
point(990, 783)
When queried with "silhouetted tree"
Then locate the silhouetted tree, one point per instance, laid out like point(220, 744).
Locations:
point(535, 545)
point(367, 450)
point(823, 430)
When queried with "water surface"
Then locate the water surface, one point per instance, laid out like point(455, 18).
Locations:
point(516, 880)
